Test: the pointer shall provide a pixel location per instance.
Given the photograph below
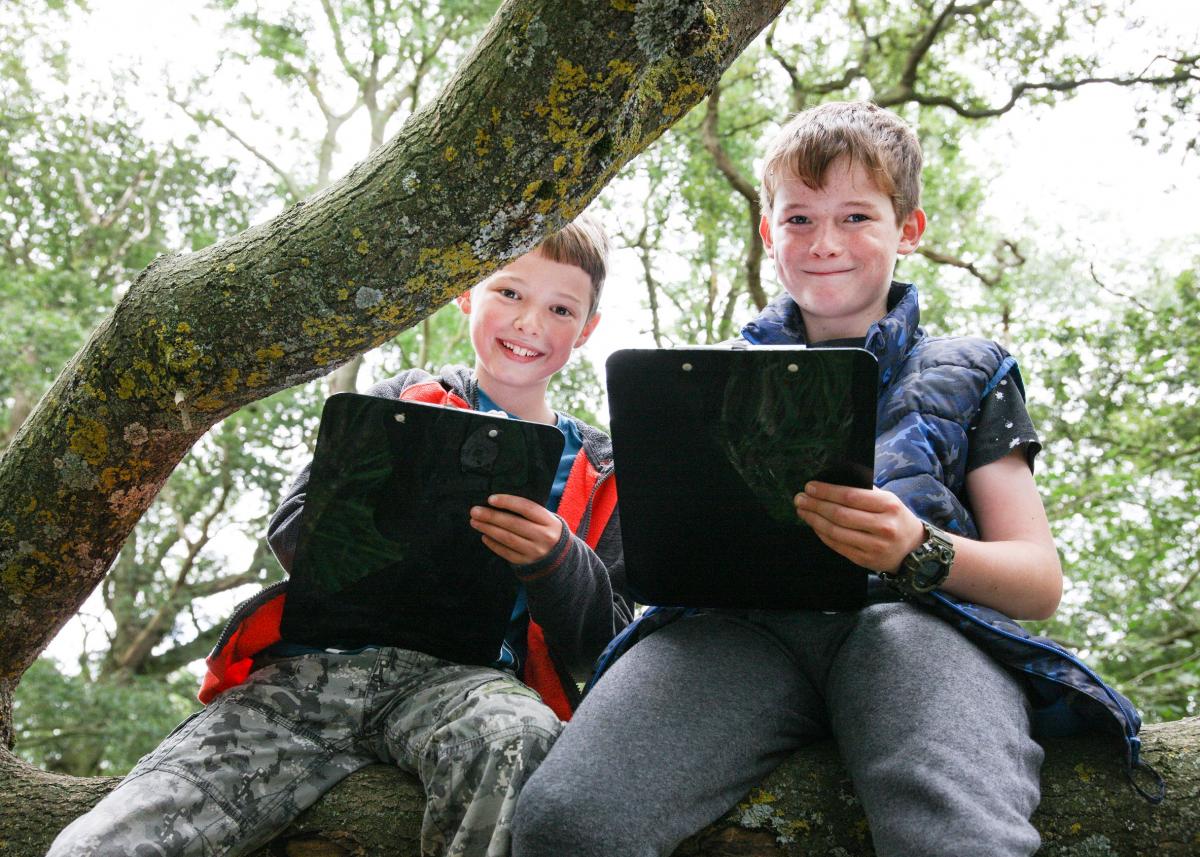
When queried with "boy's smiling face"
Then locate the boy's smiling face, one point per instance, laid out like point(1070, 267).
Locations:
point(526, 319)
point(835, 248)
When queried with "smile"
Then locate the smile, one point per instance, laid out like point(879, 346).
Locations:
point(520, 350)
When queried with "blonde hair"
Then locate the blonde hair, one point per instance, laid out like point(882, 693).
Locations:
point(876, 139)
point(584, 244)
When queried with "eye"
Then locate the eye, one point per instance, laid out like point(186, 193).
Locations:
point(858, 218)
point(506, 292)
point(797, 219)
point(563, 311)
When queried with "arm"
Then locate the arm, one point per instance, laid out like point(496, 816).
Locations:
point(575, 593)
point(1014, 568)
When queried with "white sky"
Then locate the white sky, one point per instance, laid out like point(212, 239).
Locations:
point(1073, 168)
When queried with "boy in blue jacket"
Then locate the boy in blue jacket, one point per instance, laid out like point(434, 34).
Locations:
point(285, 722)
point(933, 731)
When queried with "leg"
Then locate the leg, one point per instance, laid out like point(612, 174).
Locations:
point(936, 738)
point(473, 735)
point(674, 735)
point(237, 772)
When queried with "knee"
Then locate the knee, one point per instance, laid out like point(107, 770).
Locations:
point(552, 820)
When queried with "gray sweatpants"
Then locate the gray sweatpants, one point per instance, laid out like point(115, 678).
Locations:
point(934, 735)
point(236, 773)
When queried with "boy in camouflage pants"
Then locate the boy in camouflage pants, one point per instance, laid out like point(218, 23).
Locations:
point(270, 743)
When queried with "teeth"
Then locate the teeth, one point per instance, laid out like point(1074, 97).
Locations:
point(519, 351)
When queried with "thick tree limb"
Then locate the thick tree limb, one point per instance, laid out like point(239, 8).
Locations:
point(807, 807)
point(555, 99)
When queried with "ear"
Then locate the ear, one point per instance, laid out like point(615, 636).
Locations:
point(464, 302)
point(911, 231)
point(764, 229)
point(588, 327)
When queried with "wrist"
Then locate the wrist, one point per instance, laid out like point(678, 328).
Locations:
point(926, 566)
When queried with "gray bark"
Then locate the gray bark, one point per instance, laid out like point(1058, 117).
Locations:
point(807, 807)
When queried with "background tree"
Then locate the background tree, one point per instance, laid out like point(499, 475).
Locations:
point(957, 71)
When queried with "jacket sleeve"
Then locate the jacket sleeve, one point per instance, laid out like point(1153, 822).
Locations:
point(578, 595)
point(283, 530)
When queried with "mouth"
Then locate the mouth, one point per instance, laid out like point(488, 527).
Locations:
point(521, 351)
point(828, 273)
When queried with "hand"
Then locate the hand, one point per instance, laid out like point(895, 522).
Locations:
point(516, 529)
point(869, 527)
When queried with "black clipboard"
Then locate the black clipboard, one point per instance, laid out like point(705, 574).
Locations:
point(711, 445)
point(386, 555)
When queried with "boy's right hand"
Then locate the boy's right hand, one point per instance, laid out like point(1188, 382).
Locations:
point(516, 529)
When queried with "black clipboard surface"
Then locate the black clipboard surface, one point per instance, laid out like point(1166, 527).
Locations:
point(386, 555)
point(710, 447)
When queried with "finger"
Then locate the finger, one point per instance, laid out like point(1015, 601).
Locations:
point(521, 506)
point(505, 520)
point(867, 499)
point(843, 516)
point(506, 537)
point(503, 551)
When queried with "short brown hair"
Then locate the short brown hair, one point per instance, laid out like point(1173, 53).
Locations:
point(584, 244)
point(876, 139)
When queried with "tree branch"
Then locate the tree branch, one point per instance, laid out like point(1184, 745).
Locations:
point(202, 118)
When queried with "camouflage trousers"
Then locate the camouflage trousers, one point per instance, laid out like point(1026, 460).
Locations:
point(236, 773)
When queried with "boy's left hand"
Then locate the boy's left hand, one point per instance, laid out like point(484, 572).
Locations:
point(870, 527)
point(518, 530)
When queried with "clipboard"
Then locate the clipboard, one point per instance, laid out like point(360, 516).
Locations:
point(386, 555)
point(711, 445)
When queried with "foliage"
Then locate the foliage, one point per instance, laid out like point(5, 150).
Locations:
point(88, 200)
point(1123, 484)
point(71, 724)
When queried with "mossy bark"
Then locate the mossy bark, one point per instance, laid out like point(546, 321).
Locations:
point(807, 807)
point(556, 98)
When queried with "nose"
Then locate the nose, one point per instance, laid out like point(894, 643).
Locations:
point(526, 320)
point(825, 240)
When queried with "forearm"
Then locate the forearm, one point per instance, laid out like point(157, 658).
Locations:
point(1022, 579)
point(579, 603)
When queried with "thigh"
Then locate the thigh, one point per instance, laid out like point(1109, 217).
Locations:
point(473, 736)
point(236, 772)
point(936, 737)
point(678, 730)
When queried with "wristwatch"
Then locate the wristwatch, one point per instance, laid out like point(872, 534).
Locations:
point(927, 567)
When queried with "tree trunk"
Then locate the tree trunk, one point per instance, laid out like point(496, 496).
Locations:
point(807, 807)
point(555, 99)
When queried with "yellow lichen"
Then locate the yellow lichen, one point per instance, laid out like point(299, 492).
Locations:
point(230, 268)
point(624, 5)
point(356, 233)
point(1084, 772)
point(272, 352)
point(305, 261)
point(559, 163)
point(483, 142)
point(229, 384)
point(183, 327)
point(1076, 827)
point(256, 379)
point(126, 386)
point(455, 260)
point(450, 153)
point(343, 294)
point(89, 440)
point(362, 248)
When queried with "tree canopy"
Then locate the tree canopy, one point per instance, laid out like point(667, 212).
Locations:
point(91, 200)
